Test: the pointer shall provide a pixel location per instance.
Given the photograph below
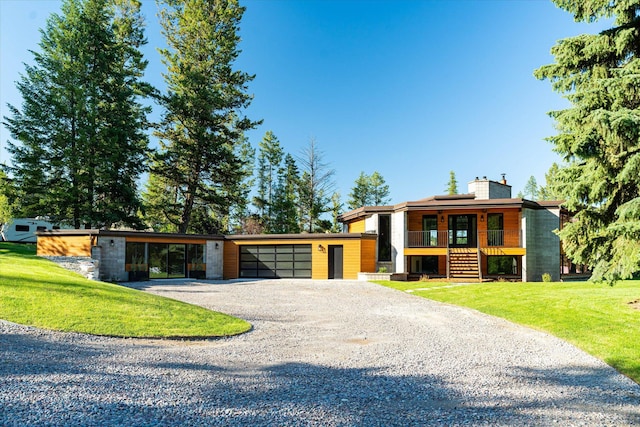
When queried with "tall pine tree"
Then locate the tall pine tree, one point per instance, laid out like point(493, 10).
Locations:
point(269, 165)
point(599, 137)
point(81, 144)
point(202, 125)
point(315, 186)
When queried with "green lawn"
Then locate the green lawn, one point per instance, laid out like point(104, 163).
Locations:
point(37, 292)
point(594, 317)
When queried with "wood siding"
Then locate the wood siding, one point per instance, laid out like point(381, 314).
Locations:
point(368, 256)
point(168, 239)
point(511, 223)
point(353, 259)
point(64, 246)
point(357, 226)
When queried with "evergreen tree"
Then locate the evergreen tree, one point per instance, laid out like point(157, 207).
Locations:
point(202, 126)
point(80, 130)
point(550, 190)
point(452, 187)
point(316, 183)
point(360, 192)
point(7, 198)
point(269, 161)
point(599, 137)
point(379, 189)
point(285, 202)
point(336, 210)
point(368, 190)
point(530, 189)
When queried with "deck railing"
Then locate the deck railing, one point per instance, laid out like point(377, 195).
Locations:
point(486, 239)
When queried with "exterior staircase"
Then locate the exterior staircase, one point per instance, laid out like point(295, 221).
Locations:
point(463, 265)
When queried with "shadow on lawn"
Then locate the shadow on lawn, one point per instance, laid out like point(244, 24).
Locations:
point(77, 380)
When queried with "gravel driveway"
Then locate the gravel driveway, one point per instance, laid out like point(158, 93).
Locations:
point(325, 353)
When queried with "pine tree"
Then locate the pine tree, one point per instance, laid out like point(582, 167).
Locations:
point(379, 189)
point(530, 189)
point(286, 218)
point(202, 125)
point(368, 190)
point(315, 185)
point(452, 187)
point(336, 210)
point(550, 191)
point(360, 194)
point(269, 165)
point(80, 129)
point(599, 138)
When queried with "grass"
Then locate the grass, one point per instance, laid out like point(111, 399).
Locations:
point(38, 292)
point(597, 318)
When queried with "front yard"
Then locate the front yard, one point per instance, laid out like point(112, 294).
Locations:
point(602, 320)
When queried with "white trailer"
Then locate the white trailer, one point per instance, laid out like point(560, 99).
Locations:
point(23, 230)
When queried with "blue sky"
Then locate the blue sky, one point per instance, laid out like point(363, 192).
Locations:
point(412, 89)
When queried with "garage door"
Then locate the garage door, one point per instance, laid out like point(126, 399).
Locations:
point(275, 261)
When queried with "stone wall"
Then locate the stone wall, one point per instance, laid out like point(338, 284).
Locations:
point(542, 244)
point(111, 252)
point(215, 250)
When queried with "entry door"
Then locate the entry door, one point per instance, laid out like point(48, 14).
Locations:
point(335, 261)
point(462, 231)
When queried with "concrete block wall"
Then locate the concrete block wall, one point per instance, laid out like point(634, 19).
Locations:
point(214, 259)
point(112, 252)
point(542, 244)
point(485, 189)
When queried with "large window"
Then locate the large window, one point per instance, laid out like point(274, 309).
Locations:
point(135, 253)
point(502, 265)
point(167, 261)
point(424, 265)
point(384, 237)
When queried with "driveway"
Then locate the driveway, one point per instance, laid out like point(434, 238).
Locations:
point(325, 353)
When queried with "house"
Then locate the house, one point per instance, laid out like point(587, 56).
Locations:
point(135, 255)
point(484, 233)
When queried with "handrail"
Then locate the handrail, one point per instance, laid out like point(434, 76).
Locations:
point(485, 239)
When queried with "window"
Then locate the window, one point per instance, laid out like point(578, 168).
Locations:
point(135, 253)
point(498, 265)
point(384, 238)
point(22, 228)
point(495, 229)
point(424, 264)
point(430, 230)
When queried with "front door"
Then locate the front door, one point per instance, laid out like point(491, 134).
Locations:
point(335, 261)
point(462, 231)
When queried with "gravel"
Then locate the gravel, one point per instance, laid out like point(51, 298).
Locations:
point(321, 353)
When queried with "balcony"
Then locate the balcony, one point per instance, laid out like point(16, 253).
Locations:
point(485, 239)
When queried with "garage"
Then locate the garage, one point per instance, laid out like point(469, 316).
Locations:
point(276, 261)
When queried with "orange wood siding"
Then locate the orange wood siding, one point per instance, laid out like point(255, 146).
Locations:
point(357, 226)
point(230, 264)
point(172, 240)
point(64, 246)
point(353, 262)
point(368, 256)
point(511, 222)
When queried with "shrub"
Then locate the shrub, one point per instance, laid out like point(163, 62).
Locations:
point(382, 270)
point(546, 277)
point(424, 278)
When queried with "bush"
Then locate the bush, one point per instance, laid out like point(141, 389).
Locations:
point(382, 270)
point(546, 277)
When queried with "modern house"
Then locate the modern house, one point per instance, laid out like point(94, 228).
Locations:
point(135, 255)
point(482, 234)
